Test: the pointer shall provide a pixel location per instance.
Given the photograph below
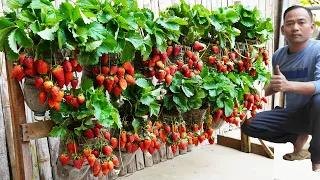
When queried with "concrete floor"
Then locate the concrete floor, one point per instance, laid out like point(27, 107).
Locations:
point(208, 162)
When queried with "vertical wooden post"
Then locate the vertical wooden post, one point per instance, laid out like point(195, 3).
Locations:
point(23, 159)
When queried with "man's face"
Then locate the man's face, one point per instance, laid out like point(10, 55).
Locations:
point(297, 26)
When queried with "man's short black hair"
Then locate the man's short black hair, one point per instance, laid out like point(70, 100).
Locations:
point(296, 7)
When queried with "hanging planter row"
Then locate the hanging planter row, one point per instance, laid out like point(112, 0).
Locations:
point(114, 78)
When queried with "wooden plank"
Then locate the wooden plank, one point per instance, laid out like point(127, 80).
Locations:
point(36, 130)
point(54, 143)
point(21, 149)
point(229, 142)
point(43, 158)
point(245, 143)
point(267, 149)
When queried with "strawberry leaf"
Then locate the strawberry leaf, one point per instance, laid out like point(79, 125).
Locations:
point(146, 99)
point(49, 33)
point(168, 102)
point(88, 58)
point(154, 109)
point(55, 116)
point(41, 4)
point(12, 41)
point(23, 39)
point(128, 52)
point(143, 83)
point(58, 131)
point(91, 46)
point(188, 91)
point(136, 125)
point(228, 107)
point(135, 38)
point(86, 84)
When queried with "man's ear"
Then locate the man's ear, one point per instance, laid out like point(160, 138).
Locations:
point(282, 30)
point(312, 28)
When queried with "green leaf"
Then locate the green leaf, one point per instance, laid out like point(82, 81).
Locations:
point(86, 84)
point(209, 85)
point(108, 45)
point(41, 4)
point(204, 72)
point(188, 91)
point(136, 125)
point(160, 39)
point(88, 58)
point(195, 104)
point(12, 42)
point(146, 99)
point(168, 25)
point(58, 131)
point(180, 100)
point(154, 109)
point(85, 113)
point(212, 93)
point(4, 36)
point(97, 31)
point(228, 107)
point(23, 39)
point(49, 33)
point(61, 38)
point(232, 15)
point(15, 4)
point(55, 116)
point(141, 82)
point(84, 18)
point(135, 38)
point(168, 102)
point(175, 89)
point(35, 27)
point(27, 16)
point(128, 52)
point(220, 102)
point(12, 56)
point(116, 117)
point(91, 46)
point(156, 92)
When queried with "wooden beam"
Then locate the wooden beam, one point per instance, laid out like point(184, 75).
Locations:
point(36, 130)
point(267, 149)
point(22, 151)
point(236, 144)
point(245, 143)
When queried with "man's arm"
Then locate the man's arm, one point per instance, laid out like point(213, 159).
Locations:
point(268, 91)
point(307, 88)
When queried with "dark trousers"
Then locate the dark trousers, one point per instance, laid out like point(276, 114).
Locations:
point(284, 125)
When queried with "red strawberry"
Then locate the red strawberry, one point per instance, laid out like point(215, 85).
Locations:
point(117, 91)
point(253, 114)
point(96, 153)
point(232, 56)
point(74, 83)
point(95, 71)
point(74, 62)
point(169, 50)
point(87, 151)
point(100, 79)
point(18, 73)
point(176, 50)
point(147, 143)
point(264, 99)
point(167, 129)
point(135, 147)
point(215, 49)
point(111, 166)
point(81, 98)
point(113, 69)
point(75, 103)
point(105, 168)
point(96, 132)
point(72, 147)
point(107, 150)
point(168, 79)
point(189, 54)
point(198, 46)
point(28, 62)
point(104, 59)
point(114, 142)
point(96, 168)
point(130, 79)
point(108, 84)
point(38, 82)
point(58, 73)
point(121, 71)
point(67, 67)
point(68, 98)
point(128, 147)
point(79, 68)
point(42, 97)
point(106, 135)
point(136, 138)
point(68, 76)
point(200, 65)
point(91, 160)
point(210, 132)
point(64, 159)
point(115, 160)
point(218, 114)
point(212, 59)
point(104, 70)
point(98, 125)
point(195, 141)
point(265, 54)
point(127, 66)
point(241, 116)
point(21, 58)
point(122, 83)
point(195, 128)
point(211, 140)
point(155, 51)
point(174, 149)
point(142, 147)
point(88, 133)
point(51, 102)
point(55, 93)
point(42, 67)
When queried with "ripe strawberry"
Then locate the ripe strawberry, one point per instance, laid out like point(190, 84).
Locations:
point(64, 159)
point(78, 162)
point(117, 91)
point(211, 140)
point(87, 151)
point(42, 97)
point(236, 122)
point(264, 99)
point(168, 79)
point(210, 132)
point(147, 143)
point(51, 102)
point(129, 68)
point(253, 114)
point(74, 83)
point(42, 67)
point(100, 79)
point(88, 133)
point(95, 71)
point(218, 114)
point(135, 147)
point(232, 56)
point(189, 54)
point(169, 50)
point(18, 73)
point(98, 125)
point(136, 138)
point(176, 50)
point(74, 62)
point(96, 153)
point(201, 138)
point(174, 149)
point(163, 57)
point(198, 46)
point(167, 129)
point(68, 76)
point(106, 135)
point(242, 116)
point(105, 168)
point(142, 146)
point(215, 49)
point(257, 97)
point(28, 62)
point(114, 142)
point(265, 54)
point(121, 71)
point(104, 70)
point(212, 59)
point(55, 92)
point(160, 64)
point(111, 166)
point(195, 141)
point(58, 73)
point(253, 72)
point(21, 58)
point(113, 69)
point(128, 147)
point(130, 79)
point(91, 160)
point(104, 59)
point(72, 147)
point(123, 83)
point(38, 82)
point(115, 160)
point(67, 67)
point(96, 132)
point(74, 103)
point(79, 68)
point(107, 150)
point(96, 168)
point(200, 65)
point(108, 83)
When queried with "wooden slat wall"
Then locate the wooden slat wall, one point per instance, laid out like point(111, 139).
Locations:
point(42, 150)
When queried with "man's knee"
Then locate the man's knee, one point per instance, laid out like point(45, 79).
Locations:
point(245, 129)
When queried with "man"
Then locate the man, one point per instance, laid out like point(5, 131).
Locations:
point(297, 73)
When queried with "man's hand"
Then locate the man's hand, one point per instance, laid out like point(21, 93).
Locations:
point(279, 82)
